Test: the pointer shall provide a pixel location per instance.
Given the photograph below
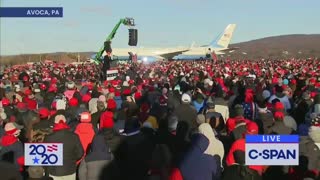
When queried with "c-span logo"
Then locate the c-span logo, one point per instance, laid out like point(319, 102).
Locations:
point(272, 150)
point(43, 154)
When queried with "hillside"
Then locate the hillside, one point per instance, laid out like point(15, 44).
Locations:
point(296, 45)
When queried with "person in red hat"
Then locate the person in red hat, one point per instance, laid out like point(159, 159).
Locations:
point(239, 145)
point(71, 89)
point(118, 99)
point(86, 98)
point(85, 130)
point(72, 149)
point(41, 127)
point(106, 127)
point(282, 97)
point(279, 127)
point(73, 107)
point(309, 149)
point(11, 143)
point(6, 105)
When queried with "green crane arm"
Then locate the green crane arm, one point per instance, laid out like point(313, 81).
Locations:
point(125, 21)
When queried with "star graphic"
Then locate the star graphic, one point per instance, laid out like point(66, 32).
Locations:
point(35, 160)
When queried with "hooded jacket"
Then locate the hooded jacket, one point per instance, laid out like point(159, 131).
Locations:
point(187, 113)
point(111, 138)
point(86, 132)
point(280, 128)
point(309, 151)
point(72, 151)
point(215, 146)
point(196, 164)
point(99, 156)
point(12, 151)
point(240, 145)
point(118, 100)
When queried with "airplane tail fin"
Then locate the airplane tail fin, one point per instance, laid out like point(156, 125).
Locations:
point(224, 39)
point(192, 45)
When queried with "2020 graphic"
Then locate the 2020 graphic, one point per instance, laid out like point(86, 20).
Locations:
point(44, 154)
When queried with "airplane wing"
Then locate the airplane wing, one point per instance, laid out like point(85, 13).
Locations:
point(229, 49)
point(170, 55)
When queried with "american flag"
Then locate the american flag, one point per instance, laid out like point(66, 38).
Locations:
point(52, 148)
point(249, 110)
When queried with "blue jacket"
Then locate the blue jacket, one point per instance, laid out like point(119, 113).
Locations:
point(197, 105)
point(118, 101)
point(196, 165)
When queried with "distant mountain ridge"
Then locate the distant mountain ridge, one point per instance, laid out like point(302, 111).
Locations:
point(294, 45)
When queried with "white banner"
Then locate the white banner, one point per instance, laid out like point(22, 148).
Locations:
point(43, 154)
point(272, 154)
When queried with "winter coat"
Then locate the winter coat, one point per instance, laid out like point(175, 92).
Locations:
point(12, 151)
point(133, 156)
point(111, 138)
point(93, 105)
point(215, 146)
point(9, 171)
point(301, 111)
point(280, 128)
point(238, 131)
point(240, 172)
point(72, 151)
point(118, 100)
point(86, 132)
point(308, 150)
point(283, 99)
point(290, 122)
point(264, 121)
point(198, 105)
point(239, 145)
point(98, 157)
point(40, 130)
point(95, 118)
point(221, 106)
point(187, 113)
point(196, 164)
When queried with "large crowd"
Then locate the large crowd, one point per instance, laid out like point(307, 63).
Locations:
point(159, 121)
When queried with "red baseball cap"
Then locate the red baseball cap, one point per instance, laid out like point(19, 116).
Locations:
point(252, 128)
point(44, 113)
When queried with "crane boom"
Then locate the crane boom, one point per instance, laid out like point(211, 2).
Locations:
point(124, 21)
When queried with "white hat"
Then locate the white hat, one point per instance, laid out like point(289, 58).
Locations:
point(70, 85)
point(61, 104)
point(266, 94)
point(147, 124)
point(59, 118)
point(17, 86)
point(36, 90)
point(125, 84)
point(13, 128)
point(186, 98)
point(3, 115)
point(206, 81)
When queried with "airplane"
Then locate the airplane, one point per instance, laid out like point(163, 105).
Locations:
point(218, 46)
